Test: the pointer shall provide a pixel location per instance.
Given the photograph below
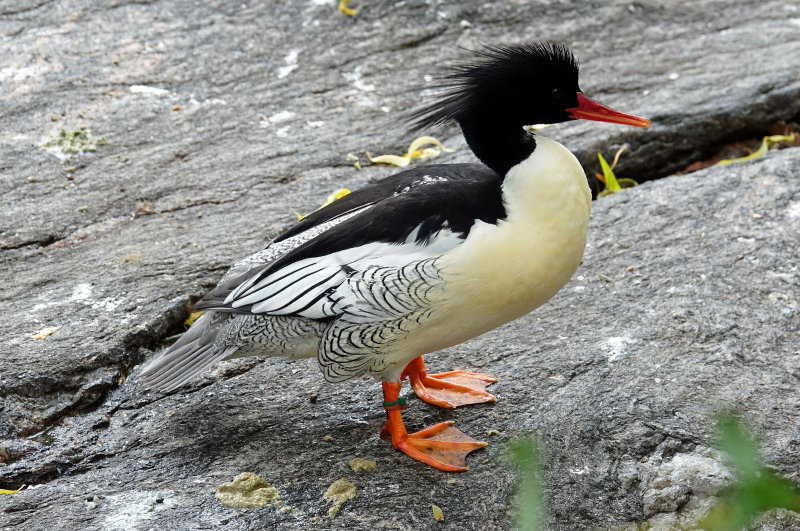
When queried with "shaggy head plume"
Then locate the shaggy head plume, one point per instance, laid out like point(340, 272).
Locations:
point(507, 82)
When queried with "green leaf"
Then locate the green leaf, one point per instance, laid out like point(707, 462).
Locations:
point(738, 445)
point(757, 490)
point(530, 491)
point(608, 174)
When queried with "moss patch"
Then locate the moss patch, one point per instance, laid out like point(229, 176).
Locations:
point(64, 144)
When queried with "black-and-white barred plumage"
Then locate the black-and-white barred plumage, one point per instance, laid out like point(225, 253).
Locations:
point(338, 285)
point(254, 334)
point(378, 307)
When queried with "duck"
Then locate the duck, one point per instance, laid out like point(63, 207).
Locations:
point(424, 259)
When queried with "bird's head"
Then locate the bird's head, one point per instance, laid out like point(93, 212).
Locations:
point(517, 85)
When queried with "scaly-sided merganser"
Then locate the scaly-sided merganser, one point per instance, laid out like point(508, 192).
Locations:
point(421, 260)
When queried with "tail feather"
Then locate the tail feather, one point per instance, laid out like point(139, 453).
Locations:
point(189, 356)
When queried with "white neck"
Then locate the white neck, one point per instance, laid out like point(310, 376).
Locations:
point(541, 186)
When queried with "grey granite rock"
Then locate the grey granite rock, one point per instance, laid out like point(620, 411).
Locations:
point(223, 119)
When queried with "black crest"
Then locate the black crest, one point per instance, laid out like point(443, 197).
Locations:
point(520, 84)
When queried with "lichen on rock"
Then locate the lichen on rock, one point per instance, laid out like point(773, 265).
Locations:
point(248, 490)
point(339, 492)
point(64, 144)
point(359, 464)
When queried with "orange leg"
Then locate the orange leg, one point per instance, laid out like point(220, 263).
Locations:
point(448, 389)
point(441, 446)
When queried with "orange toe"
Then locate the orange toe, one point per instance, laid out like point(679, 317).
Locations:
point(449, 389)
point(441, 446)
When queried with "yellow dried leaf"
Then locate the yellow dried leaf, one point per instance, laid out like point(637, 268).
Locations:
point(333, 196)
point(43, 333)
point(346, 10)
point(415, 151)
point(425, 140)
point(354, 159)
point(394, 160)
point(194, 316)
point(761, 151)
point(6, 491)
point(438, 515)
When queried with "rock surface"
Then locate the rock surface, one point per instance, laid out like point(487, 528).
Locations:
point(223, 119)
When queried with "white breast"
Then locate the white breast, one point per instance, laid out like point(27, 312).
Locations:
point(504, 271)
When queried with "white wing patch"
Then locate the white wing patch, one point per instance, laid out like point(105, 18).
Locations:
point(422, 181)
point(308, 287)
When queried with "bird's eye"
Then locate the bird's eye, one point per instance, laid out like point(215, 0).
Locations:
point(557, 93)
